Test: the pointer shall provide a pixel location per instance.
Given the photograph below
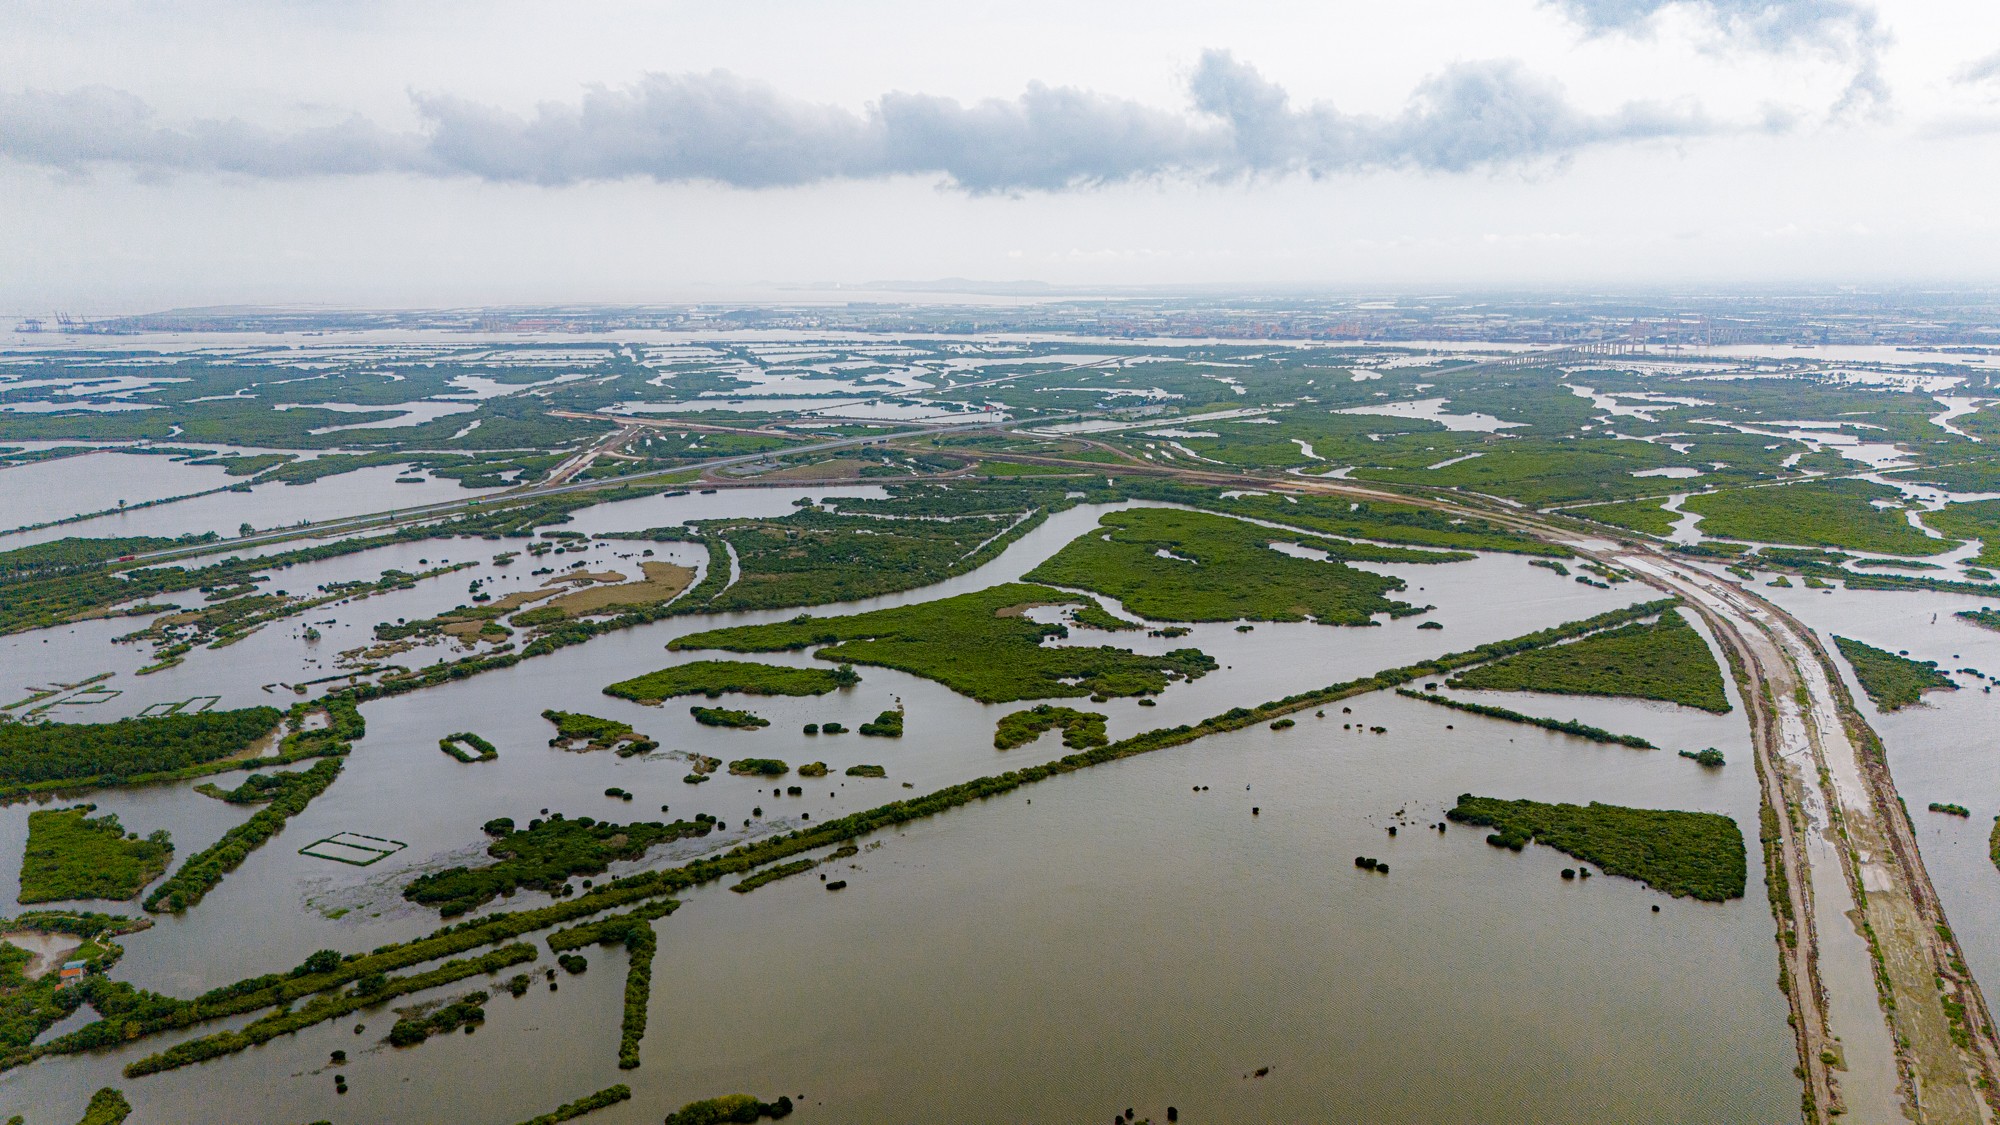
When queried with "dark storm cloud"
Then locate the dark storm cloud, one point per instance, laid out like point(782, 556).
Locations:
point(719, 128)
point(1838, 26)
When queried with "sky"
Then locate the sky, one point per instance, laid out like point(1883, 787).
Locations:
point(441, 154)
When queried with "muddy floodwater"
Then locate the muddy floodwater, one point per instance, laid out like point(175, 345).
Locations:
point(1148, 933)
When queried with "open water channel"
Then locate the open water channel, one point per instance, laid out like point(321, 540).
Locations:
point(1105, 939)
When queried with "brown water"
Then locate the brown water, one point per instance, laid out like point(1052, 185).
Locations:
point(1104, 939)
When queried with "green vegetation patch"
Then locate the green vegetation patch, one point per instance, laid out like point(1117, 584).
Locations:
point(635, 929)
point(919, 535)
point(980, 644)
point(368, 991)
point(1666, 660)
point(1081, 729)
point(1976, 519)
point(107, 1107)
point(609, 1096)
point(867, 771)
point(45, 755)
point(758, 767)
point(578, 731)
point(543, 856)
point(724, 717)
point(1893, 682)
point(1173, 565)
point(259, 788)
point(888, 724)
point(714, 677)
point(1645, 516)
point(468, 747)
point(1562, 726)
point(205, 869)
point(73, 855)
point(772, 874)
point(1372, 519)
point(463, 1012)
point(741, 1108)
point(1985, 617)
point(1698, 855)
point(1820, 513)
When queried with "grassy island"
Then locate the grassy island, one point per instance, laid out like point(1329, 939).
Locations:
point(1985, 617)
point(544, 856)
point(867, 771)
point(758, 767)
point(1893, 682)
point(713, 678)
point(468, 747)
point(73, 855)
point(578, 731)
point(889, 724)
point(1685, 854)
point(1081, 729)
point(741, 1108)
point(724, 717)
point(1666, 660)
point(980, 644)
point(1171, 565)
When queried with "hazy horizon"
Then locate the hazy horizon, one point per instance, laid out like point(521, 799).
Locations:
point(373, 155)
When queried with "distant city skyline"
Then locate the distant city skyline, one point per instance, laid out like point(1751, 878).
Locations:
point(385, 155)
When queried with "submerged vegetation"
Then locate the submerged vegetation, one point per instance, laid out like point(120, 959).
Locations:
point(1666, 660)
point(713, 678)
point(1171, 565)
point(73, 855)
point(1892, 681)
point(461, 1013)
point(1698, 855)
point(981, 644)
point(1081, 729)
